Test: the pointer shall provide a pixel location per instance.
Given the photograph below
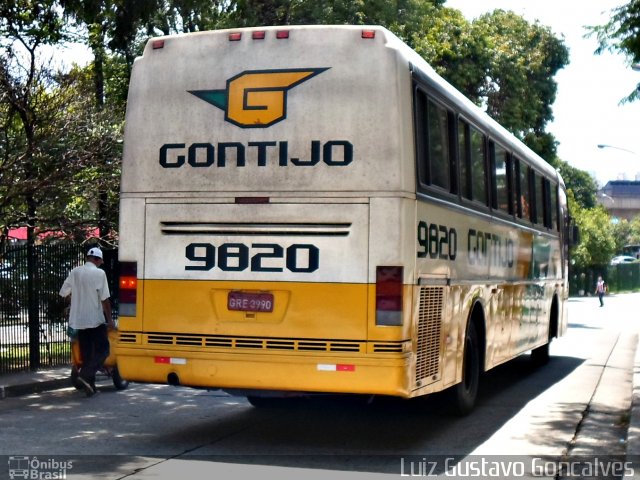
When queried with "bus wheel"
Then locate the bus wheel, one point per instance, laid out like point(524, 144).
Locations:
point(118, 382)
point(259, 401)
point(265, 402)
point(540, 355)
point(465, 393)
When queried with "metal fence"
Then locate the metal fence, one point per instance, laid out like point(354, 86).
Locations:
point(624, 277)
point(33, 327)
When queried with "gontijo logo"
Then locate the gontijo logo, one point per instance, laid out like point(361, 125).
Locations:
point(258, 98)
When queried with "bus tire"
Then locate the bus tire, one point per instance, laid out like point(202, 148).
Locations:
point(266, 402)
point(540, 355)
point(465, 393)
point(118, 382)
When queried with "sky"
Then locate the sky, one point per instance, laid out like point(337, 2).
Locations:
point(587, 109)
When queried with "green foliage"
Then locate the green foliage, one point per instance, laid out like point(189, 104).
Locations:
point(597, 244)
point(502, 62)
point(448, 42)
point(622, 34)
point(31, 22)
point(622, 232)
point(57, 148)
point(581, 184)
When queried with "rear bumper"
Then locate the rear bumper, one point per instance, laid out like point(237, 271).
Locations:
point(329, 373)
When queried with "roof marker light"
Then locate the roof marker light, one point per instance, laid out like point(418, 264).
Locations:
point(235, 37)
point(156, 44)
point(258, 35)
point(280, 34)
point(368, 34)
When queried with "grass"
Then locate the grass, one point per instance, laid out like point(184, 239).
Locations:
point(15, 358)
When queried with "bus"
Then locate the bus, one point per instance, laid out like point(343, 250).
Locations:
point(312, 209)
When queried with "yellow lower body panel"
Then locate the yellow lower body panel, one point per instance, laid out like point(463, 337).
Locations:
point(330, 373)
point(310, 310)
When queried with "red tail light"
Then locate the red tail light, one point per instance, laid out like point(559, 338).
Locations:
point(389, 301)
point(128, 289)
point(368, 34)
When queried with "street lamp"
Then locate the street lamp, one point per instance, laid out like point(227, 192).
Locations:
point(604, 195)
point(602, 145)
point(626, 150)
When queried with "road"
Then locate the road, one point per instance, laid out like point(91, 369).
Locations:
point(151, 431)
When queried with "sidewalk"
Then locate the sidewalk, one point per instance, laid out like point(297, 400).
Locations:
point(24, 383)
point(633, 434)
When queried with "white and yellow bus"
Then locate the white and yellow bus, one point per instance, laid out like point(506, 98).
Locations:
point(313, 209)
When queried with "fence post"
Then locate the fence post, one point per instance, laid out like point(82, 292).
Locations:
point(32, 306)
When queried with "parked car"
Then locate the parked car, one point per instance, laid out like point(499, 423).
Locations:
point(622, 259)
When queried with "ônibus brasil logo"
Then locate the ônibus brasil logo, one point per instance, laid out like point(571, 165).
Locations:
point(258, 98)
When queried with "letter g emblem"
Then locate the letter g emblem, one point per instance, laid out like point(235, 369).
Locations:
point(257, 98)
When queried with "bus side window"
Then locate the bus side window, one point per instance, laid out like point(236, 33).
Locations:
point(473, 165)
point(478, 167)
point(553, 189)
point(421, 140)
point(540, 211)
point(524, 206)
point(500, 167)
point(438, 157)
point(463, 159)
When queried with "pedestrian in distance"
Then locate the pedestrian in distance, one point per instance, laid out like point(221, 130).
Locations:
point(90, 315)
point(601, 289)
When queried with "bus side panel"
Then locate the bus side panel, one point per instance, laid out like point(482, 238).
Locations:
point(510, 271)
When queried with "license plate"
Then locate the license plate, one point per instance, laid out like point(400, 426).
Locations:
point(250, 302)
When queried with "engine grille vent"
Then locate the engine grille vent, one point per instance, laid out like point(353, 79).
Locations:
point(429, 335)
point(253, 343)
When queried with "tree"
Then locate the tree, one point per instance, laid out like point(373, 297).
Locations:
point(27, 166)
point(582, 185)
point(597, 244)
point(28, 169)
point(187, 16)
point(520, 88)
point(93, 149)
point(118, 21)
point(502, 62)
point(622, 34)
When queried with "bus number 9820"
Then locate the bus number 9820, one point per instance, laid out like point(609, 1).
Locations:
point(259, 257)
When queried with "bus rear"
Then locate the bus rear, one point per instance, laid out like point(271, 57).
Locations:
point(268, 177)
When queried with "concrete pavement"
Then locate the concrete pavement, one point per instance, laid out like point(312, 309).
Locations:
point(610, 425)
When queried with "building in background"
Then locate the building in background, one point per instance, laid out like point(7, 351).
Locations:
point(621, 198)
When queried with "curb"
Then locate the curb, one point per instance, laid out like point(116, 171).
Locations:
point(7, 391)
point(633, 433)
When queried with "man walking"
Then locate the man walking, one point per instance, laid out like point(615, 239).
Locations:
point(90, 314)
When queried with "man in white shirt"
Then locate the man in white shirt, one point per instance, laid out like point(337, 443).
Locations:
point(90, 314)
